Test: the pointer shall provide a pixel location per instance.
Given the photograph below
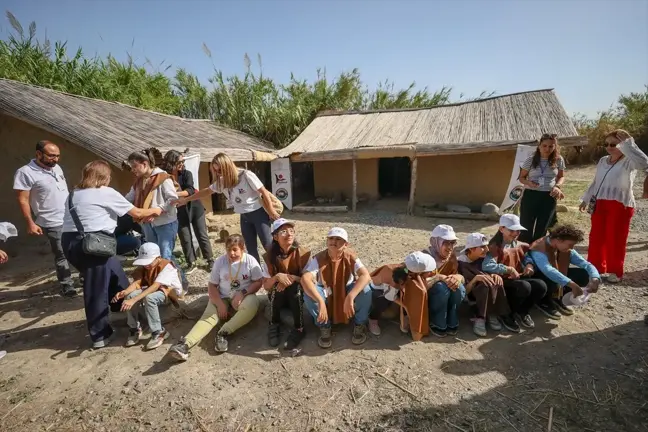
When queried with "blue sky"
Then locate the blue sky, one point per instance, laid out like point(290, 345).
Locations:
point(589, 51)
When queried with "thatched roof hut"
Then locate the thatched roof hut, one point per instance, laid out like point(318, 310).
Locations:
point(354, 142)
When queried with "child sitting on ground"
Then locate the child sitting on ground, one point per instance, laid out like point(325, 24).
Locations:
point(155, 281)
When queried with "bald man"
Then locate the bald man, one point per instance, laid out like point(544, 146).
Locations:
point(42, 190)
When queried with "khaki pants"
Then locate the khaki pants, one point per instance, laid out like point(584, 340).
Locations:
point(246, 312)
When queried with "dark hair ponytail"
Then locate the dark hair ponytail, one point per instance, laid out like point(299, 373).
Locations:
point(144, 156)
point(171, 159)
point(497, 240)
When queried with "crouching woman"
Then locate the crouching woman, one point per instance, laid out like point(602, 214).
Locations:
point(487, 291)
point(234, 281)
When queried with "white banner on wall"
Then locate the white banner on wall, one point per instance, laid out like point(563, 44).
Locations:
point(515, 188)
point(282, 181)
point(192, 164)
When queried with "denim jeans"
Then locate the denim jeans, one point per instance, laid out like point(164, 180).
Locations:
point(164, 236)
point(256, 224)
point(127, 243)
point(63, 273)
point(362, 305)
point(151, 303)
point(443, 304)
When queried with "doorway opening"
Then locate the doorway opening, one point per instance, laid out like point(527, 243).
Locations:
point(394, 177)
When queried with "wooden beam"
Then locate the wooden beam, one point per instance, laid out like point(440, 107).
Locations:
point(457, 215)
point(354, 197)
point(412, 197)
point(320, 209)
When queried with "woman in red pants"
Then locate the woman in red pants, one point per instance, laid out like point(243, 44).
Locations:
point(610, 201)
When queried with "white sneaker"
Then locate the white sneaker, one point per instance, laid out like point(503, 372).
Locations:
point(494, 323)
point(613, 279)
point(374, 328)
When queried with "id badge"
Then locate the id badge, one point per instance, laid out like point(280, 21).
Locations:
point(541, 181)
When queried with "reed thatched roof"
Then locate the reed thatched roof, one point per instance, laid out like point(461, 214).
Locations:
point(113, 130)
point(494, 123)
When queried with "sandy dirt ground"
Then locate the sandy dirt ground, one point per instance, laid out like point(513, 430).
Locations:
point(588, 372)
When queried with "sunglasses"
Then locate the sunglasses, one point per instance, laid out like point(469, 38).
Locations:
point(548, 137)
point(610, 145)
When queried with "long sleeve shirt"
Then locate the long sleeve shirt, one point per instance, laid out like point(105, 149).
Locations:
point(490, 265)
point(542, 263)
point(618, 183)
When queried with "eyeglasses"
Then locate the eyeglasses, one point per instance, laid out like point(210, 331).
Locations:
point(286, 232)
point(452, 243)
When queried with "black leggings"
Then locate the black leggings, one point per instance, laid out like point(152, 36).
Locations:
point(578, 275)
point(537, 214)
point(523, 293)
point(291, 297)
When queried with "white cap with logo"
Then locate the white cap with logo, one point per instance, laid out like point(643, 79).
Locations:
point(279, 223)
point(147, 254)
point(475, 240)
point(446, 232)
point(511, 222)
point(338, 232)
point(419, 262)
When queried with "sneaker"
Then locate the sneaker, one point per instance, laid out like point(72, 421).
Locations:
point(404, 327)
point(613, 279)
point(294, 339)
point(134, 336)
point(191, 268)
point(221, 342)
point(452, 331)
point(157, 339)
point(180, 351)
point(274, 333)
point(494, 323)
point(324, 340)
point(509, 322)
point(104, 342)
point(479, 327)
point(68, 291)
point(525, 320)
point(438, 332)
point(359, 335)
point(563, 308)
point(210, 264)
point(549, 310)
point(374, 328)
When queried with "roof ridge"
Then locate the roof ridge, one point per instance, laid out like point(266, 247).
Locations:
point(330, 113)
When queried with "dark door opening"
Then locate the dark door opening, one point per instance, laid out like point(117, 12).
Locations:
point(394, 177)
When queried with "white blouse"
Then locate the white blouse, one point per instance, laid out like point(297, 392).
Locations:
point(617, 185)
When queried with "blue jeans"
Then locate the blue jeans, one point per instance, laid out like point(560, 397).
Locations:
point(362, 305)
point(127, 243)
point(443, 304)
point(164, 236)
point(151, 303)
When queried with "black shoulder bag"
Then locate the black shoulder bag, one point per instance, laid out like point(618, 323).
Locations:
point(591, 205)
point(99, 243)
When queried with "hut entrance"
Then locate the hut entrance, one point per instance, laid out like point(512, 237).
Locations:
point(394, 177)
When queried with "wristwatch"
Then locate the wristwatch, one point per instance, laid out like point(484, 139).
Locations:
point(244, 291)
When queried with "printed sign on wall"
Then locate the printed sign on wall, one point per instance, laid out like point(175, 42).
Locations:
point(515, 188)
point(282, 181)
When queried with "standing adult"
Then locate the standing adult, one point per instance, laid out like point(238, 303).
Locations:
point(41, 188)
point(97, 208)
point(191, 214)
point(542, 175)
point(610, 201)
point(250, 199)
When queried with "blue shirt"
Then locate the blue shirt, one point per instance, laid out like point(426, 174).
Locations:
point(542, 263)
point(490, 265)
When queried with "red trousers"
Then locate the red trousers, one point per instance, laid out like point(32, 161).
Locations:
point(609, 236)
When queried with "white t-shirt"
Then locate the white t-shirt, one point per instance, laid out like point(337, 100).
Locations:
point(313, 268)
point(245, 271)
point(98, 209)
point(169, 278)
point(48, 192)
point(245, 195)
point(389, 292)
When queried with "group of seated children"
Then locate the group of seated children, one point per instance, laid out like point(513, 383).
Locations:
point(502, 278)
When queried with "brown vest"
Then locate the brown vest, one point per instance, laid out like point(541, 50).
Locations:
point(147, 277)
point(293, 263)
point(415, 303)
point(383, 275)
point(510, 257)
point(449, 268)
point(144, 189)
point(557, 259)
point(335, 274)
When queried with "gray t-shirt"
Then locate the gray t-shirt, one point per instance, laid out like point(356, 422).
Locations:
point(98, 209)
point(544, 174)
point(48, 192)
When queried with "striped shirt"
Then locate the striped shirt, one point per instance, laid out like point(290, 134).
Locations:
point(544, 174)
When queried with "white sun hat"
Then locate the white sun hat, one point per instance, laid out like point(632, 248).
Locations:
point(279, 223)
point(446, 232)
point(475, 240)
point(147, 254)
point(419, 262)
point(511, 222)
point(338, 232)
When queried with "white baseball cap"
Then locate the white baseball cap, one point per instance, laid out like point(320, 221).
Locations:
point(147, 254)
point(419, 262)
point(475, 240)
point(511, 222)
point(279, 223)
point(446, 232)
point(338, 232)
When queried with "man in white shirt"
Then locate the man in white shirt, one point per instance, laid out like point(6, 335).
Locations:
point(41, 189)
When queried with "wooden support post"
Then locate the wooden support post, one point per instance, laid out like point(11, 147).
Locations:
point(354, 197)
point(412, 197)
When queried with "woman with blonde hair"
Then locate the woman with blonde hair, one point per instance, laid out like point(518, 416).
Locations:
point(610, 201)
point(93, 207)
point(250, 199)
point(542, 175)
